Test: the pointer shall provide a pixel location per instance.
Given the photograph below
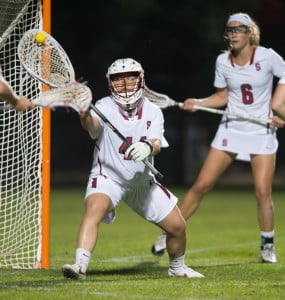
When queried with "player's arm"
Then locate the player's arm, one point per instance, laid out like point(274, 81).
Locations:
point(156, 146)
point(7, 94)
point(278, 101)
point(218, 99)
point(90, 123)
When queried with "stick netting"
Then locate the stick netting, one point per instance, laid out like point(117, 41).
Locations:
point(20, 145)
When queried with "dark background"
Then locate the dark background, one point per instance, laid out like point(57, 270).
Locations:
point(177, 43)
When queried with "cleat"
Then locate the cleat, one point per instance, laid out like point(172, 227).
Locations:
point(73, 272)
point(185, 272)
point(267, 252)
point(159, 247)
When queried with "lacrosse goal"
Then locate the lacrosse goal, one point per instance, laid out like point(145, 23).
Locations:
point(24, 147)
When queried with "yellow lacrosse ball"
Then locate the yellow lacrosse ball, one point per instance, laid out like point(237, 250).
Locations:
point(40, 38)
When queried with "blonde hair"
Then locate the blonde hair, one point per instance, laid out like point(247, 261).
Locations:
point(254, 30)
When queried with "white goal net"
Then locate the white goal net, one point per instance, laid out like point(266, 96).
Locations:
point(20, 145)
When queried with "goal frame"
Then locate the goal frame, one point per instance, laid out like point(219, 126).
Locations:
point(46, 142)
point(25, 147)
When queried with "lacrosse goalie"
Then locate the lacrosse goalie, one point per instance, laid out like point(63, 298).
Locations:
point(118, 171)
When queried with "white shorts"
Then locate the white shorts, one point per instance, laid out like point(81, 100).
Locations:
point(243, 144)
point(152, 201)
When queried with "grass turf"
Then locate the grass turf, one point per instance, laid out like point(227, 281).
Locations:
point(223, 244)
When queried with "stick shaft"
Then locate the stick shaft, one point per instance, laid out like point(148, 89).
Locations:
point(222, 112)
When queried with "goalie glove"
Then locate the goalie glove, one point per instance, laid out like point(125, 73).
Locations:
point(139, 150)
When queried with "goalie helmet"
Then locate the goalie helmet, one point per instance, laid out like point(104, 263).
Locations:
point(129, 99)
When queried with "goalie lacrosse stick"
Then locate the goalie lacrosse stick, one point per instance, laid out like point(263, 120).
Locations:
point(78, 96)
point(48, 62)
point(164, 101)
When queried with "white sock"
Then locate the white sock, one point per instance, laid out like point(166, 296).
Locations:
point(267, 234)
point(82, 258)
point(176, 263)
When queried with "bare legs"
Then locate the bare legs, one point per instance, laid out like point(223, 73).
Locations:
point(214, 166)
point(263, 169)
point(175, 227)
point(97, 205)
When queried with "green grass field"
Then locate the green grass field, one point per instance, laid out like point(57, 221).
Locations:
point(223, 244)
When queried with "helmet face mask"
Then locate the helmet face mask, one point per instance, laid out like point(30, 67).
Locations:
point(126, 83)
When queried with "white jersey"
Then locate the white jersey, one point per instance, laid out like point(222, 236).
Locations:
point(250, 88)
point(108, 157)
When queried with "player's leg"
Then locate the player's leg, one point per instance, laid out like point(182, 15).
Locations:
point(158, 205)
point(263, 167)
point(101, 198)
point(175, 227)
point(215, 164)
point(96, 207)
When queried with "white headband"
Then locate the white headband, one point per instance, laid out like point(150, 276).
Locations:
point(240, 18)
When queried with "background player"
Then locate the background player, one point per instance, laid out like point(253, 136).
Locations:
point(243, 80)
point(118, 173)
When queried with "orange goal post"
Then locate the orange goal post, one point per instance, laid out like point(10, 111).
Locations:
point(24, 147)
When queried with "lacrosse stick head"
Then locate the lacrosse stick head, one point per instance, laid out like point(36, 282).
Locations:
point(76, 95)
point(47, 61)
point(160, 100)
point(126, 82)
